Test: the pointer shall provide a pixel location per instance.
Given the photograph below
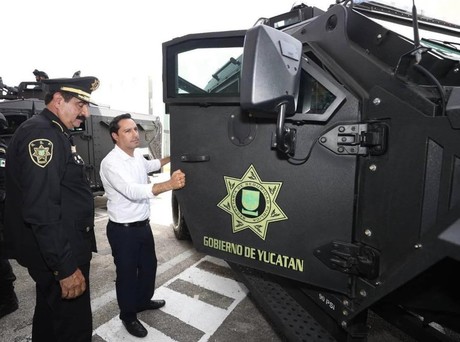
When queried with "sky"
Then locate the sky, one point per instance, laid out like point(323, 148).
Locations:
point(120, 41)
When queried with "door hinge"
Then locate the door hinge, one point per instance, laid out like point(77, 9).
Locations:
point(350, 258)
point(356, 139)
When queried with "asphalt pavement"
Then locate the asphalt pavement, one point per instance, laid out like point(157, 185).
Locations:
point(204, 302)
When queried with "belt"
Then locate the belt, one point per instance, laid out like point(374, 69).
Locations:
point(132, 224)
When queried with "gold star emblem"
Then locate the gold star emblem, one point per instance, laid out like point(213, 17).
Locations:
point(252, 203)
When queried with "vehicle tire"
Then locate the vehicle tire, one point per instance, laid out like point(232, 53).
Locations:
point(179, 226)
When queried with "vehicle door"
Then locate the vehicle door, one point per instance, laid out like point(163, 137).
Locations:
point(244, 200)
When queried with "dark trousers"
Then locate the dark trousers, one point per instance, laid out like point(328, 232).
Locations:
point(57, 319)
point(7, 277)
point(133, 250)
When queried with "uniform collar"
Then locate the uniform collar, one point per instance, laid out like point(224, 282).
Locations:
point(55, 120)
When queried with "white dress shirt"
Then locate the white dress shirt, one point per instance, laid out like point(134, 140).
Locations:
point(127, 186)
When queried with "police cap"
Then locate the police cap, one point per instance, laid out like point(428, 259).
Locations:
point(80, 87)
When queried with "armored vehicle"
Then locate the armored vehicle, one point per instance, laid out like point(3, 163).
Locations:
point(92, 138)
point(322, 154)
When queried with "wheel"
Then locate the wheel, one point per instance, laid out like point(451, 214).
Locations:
point(179, 226)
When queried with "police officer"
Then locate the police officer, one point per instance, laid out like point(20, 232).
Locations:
point(8, 298)
point(50, 212)
point(40, 75)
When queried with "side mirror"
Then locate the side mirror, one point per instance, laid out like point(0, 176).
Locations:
point(270, 78)
point(270, 74)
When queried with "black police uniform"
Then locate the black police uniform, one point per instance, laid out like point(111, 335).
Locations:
point(49, 223)
point(8, 298)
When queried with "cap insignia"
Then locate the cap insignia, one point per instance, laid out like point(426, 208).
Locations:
point(94, 85)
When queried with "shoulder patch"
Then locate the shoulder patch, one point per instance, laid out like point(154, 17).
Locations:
point(2, 162)
point(41, 151)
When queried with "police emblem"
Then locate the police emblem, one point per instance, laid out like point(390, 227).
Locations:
point(41, 151)
point(252, 203)
point(94, 85)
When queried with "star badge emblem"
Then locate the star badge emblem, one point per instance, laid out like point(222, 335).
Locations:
point(41, 151)
point(252, 203)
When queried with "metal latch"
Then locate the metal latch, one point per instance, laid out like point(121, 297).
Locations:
point(85, 136)
point(357, 139)
point(350, 258)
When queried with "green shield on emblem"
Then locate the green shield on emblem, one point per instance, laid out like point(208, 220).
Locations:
point(250, 200)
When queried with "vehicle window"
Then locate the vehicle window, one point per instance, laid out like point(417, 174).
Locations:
point(209, 71)
point(319, 95)
point(14, 121)
point(314, 98)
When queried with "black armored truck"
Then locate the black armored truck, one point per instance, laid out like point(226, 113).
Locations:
point(92, 138)
point(322, 154)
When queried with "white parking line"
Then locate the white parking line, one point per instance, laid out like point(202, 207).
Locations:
point(101, 301)
point(193, 312)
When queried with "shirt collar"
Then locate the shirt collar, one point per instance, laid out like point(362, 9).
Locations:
point(121, 153)
point(55, 119)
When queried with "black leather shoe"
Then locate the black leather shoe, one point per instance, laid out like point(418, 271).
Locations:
point(153, 305)
point(135, 328)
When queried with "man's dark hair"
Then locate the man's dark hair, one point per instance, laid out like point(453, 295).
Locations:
point(113, 125)
point(67, 96)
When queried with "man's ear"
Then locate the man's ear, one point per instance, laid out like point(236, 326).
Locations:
point(114, 136)
point(56, 102)
point(57, 96)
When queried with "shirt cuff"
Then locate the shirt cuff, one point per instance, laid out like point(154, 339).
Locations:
point(148, 187)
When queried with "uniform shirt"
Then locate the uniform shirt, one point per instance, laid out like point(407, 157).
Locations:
point(49, 216)
point(126, 185)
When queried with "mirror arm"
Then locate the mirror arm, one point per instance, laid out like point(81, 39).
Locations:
point(285, 137)
point(280, 129)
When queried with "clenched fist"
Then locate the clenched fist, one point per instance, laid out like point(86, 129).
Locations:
point(177, 180)
point(73, 286)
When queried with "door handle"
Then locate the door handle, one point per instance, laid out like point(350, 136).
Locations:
point(194, 158)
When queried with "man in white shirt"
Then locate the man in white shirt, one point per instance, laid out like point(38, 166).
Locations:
point(124, 176)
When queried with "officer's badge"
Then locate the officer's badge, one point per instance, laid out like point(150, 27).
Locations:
point(41, 151)
point(2, 162)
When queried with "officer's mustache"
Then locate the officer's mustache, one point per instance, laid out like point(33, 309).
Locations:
point(81, 118)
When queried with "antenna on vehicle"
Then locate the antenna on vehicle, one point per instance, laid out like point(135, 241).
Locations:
point(418, 58)
point(417, 52)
